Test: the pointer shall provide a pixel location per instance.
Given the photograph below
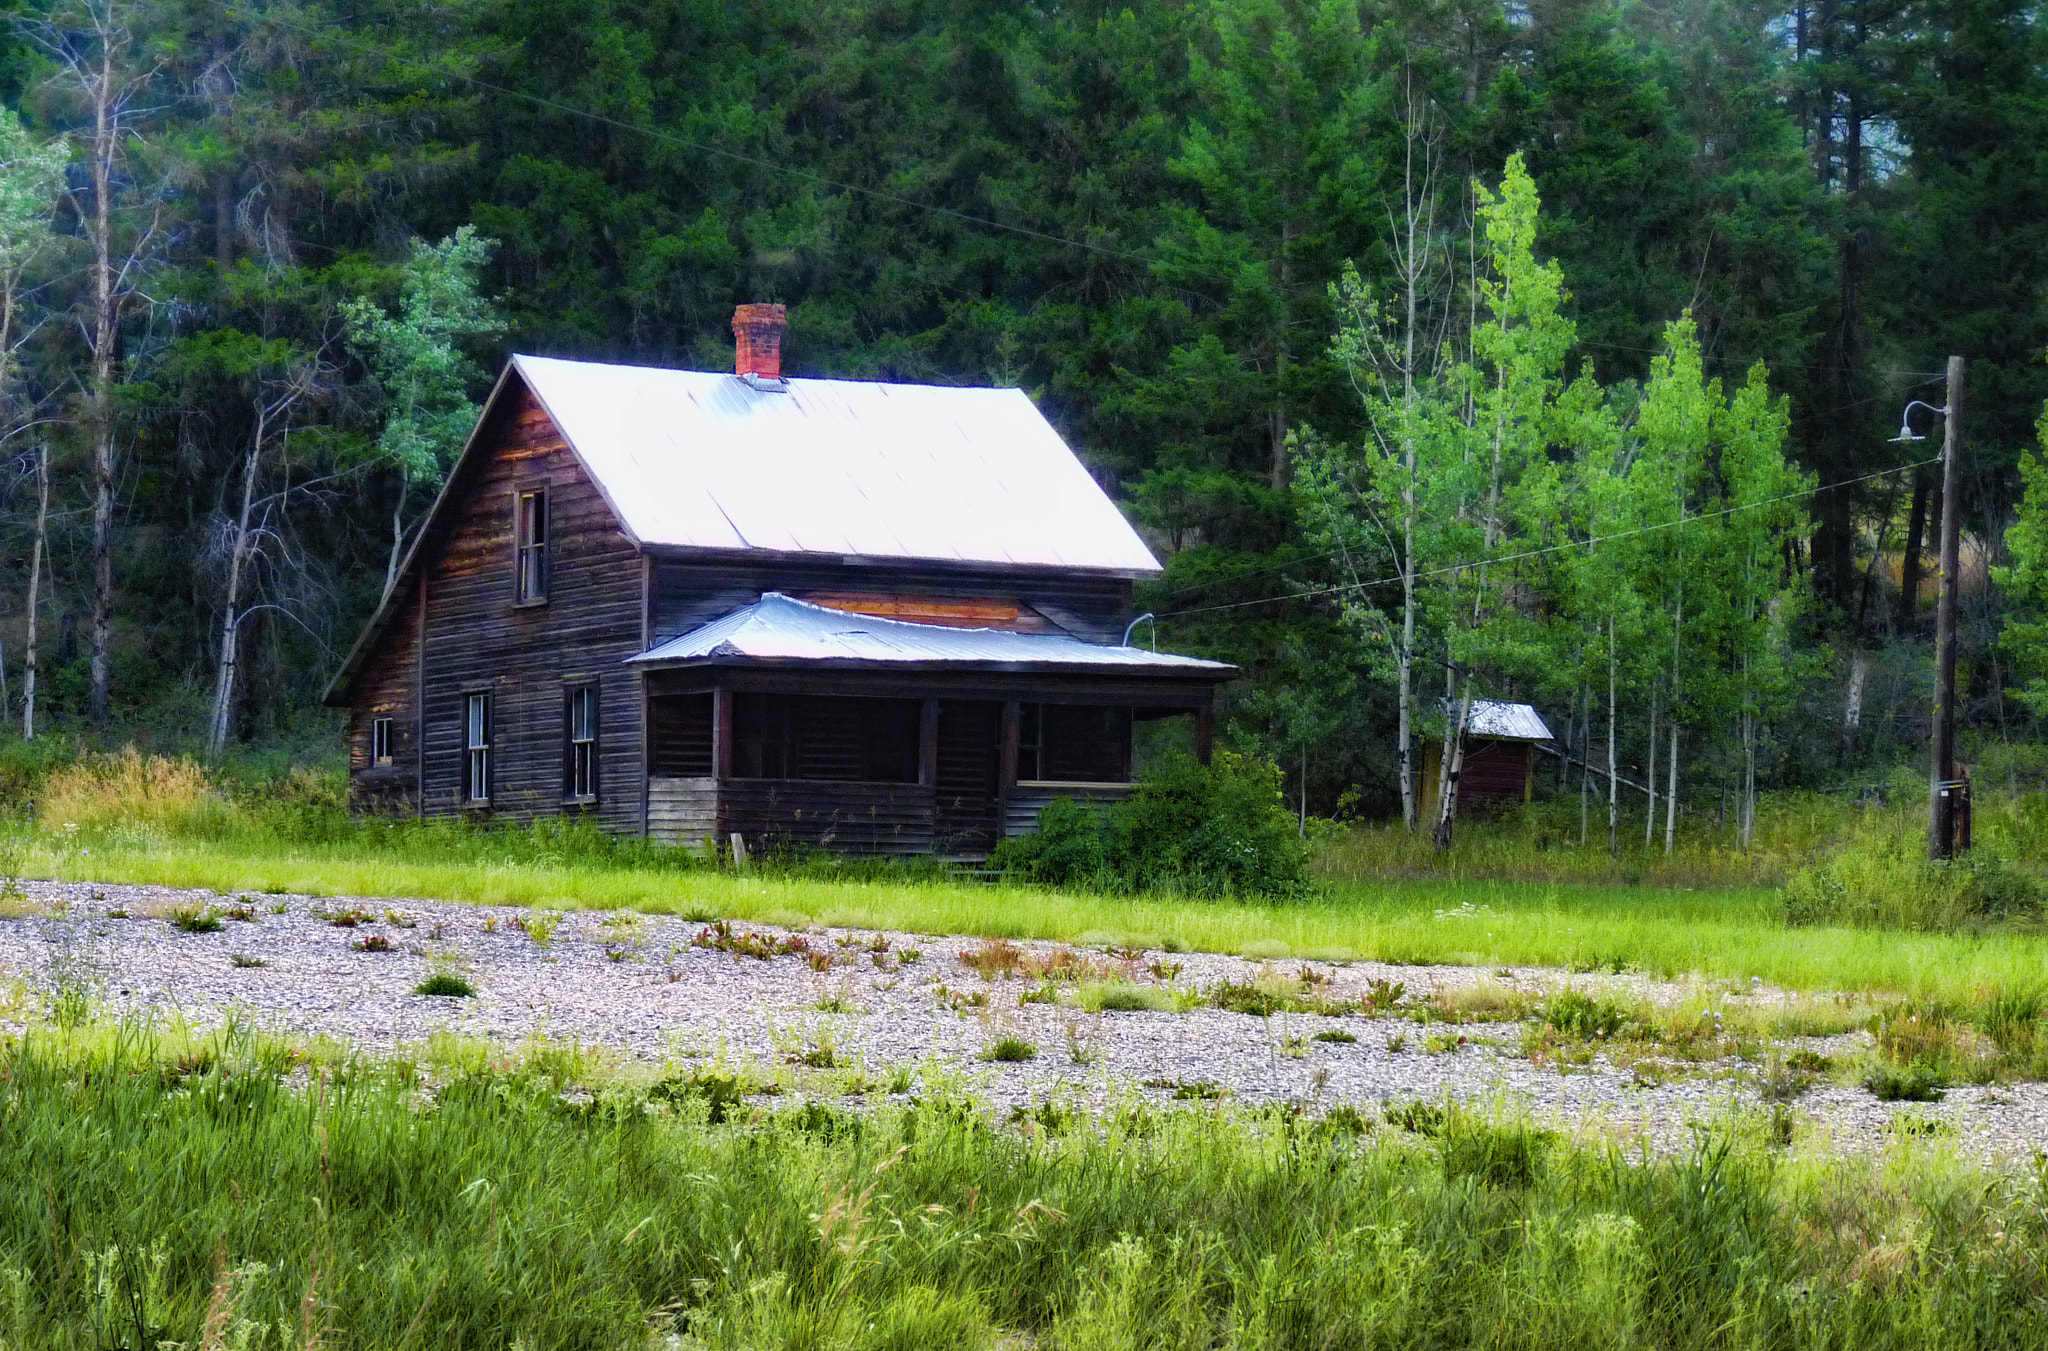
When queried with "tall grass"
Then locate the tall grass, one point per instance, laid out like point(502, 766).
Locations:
point(155, 1190)
point(292, 833)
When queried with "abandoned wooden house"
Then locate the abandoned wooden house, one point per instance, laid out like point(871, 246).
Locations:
point(868, 617)
point(1500, 757)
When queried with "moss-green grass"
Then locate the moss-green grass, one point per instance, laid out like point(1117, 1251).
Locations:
point(1724, 933)
point(223, 1192)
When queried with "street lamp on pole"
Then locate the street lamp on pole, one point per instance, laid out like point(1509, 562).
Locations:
point(1948, 790)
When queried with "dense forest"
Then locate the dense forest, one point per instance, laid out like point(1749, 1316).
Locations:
point(1382, 317)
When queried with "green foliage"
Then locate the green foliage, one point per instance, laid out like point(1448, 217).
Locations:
point(1008, 1051)
point(1578, 1014)
point(445, 985)
point(1883, 879)
point(418, 355)
point(1209, 830)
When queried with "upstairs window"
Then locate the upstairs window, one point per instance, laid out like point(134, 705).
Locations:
point(579, 767)
point(380, 741)
point(476, 765)
point(530, 545)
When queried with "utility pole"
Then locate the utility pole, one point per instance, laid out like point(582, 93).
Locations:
point(1946, 788)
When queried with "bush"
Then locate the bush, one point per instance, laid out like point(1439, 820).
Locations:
point(445, 984)
point(1882, 880)
point(1208, 830)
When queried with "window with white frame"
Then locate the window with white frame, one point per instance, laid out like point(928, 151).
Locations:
point(380, 741)
point(476, 768)
point(530, 544)
point(579, 769)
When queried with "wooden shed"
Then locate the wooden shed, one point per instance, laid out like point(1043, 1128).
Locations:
point(1500, 756)
point(868, 617)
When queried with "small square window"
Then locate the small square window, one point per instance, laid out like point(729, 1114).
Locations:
point(530, 545)
point(476, 767)
point(579, 767)
point(380, 741)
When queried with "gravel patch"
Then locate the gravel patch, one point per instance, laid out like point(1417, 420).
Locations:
point(639, 986)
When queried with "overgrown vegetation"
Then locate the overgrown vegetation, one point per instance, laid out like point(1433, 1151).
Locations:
point(167, 1189)
point(1220, 829)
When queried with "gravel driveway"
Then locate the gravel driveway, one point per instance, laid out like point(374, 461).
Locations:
point(642, 986)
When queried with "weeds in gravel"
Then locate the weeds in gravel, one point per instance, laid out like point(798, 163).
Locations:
point(723, 937)
point(399, 919)
point(194, 919)
point(1008, 1051)
point(1122, 996)
point(540, 926)
point(243, 959)
point(372, 943)
point(445, 985)
point(1269, 993)
point(352, 918)
point(1336, 1037)
point(1191, 1090)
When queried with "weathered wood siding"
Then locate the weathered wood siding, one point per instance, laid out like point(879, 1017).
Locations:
point(847, 818)
point(526, 656)
point(1027, 800)
point(388, 688)
point(682, 810)
point(690, 593)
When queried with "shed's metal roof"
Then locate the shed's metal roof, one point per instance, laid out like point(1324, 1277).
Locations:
point(781, 629)
point(702, 460)
point(1513, 722)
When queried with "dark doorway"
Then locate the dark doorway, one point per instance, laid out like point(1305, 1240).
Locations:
point(970, 769)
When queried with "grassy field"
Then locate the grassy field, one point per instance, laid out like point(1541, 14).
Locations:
point(1723, 933)
point(1516, 892)
point(239, 1193)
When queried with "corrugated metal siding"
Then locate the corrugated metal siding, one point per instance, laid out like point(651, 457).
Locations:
point(701, 460)
point(478, 639)
point(779, 628)
point(1517, 721)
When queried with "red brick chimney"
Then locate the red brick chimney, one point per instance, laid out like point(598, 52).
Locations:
point(758, 331)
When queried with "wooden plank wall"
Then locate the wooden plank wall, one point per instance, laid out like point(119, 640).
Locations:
point(1027, 800)
point(682, 810)
point(478, 639)
point(388, 688)
point(847, 818)
point(690, 594)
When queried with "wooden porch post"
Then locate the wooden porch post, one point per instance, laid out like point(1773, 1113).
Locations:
point(1006, 765)
point(721, 732)
point(928, 745)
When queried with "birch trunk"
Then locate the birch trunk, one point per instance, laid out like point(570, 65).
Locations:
point(1746, 808)
point(1613, 782)
point(1453, 765)
point(397, 537)
point(1650, 776)
point(1671, 790)
point(100, 397)
point(31, 653)
point(1585, 770)
point(231, 617)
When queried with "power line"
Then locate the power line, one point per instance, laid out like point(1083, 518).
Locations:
point(1554, 548)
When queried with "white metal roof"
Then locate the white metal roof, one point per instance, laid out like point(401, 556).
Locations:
point(780, 628)
point(703, 460)
point(1514, 722)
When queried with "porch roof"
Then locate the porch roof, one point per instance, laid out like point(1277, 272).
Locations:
point(779, 630)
